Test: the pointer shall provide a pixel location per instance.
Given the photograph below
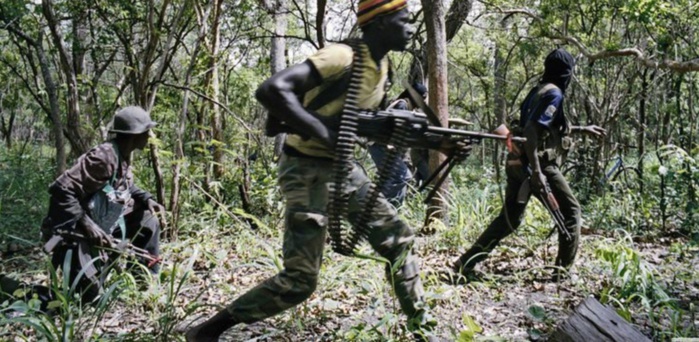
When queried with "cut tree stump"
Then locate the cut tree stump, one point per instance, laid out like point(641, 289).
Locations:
point(592, 321)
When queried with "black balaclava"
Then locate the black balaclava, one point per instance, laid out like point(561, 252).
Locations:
point(558, 68)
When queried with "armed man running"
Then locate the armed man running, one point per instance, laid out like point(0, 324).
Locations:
point(306, 172)
point(96, 201)
point(546, 128)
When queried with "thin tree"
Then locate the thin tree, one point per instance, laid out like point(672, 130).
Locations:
point(438, 97)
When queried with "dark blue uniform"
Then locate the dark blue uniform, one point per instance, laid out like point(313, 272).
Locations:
point(542, 106)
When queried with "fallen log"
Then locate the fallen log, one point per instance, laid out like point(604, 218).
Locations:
point(592, 321)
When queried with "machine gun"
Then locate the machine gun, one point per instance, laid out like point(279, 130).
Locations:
point(380, 126)
point(417, 131)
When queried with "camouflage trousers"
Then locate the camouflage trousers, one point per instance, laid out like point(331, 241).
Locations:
point(513, 210)
point(304, 183)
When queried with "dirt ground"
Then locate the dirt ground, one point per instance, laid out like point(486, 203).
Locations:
point(353, 301)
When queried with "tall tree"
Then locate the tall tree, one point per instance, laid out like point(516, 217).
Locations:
point(214, 88)
point(180, 158)
point(80, 141)
point(30, 44)
point(277, 8)
point(438, 95)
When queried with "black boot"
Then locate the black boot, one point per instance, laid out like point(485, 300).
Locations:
point(210, 330)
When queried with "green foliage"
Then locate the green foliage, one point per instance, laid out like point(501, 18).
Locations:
point(25, 172)
point(537, 313)
point(632, 279)
point(74, 320)
point(13, 9)
point(472, 329)
point(679, 175)
point(237, 215)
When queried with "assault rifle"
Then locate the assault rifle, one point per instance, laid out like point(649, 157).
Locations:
point(122, 246)
point(548, 199)
point(552, 206)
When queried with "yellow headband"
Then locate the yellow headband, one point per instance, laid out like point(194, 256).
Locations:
point(368, 10)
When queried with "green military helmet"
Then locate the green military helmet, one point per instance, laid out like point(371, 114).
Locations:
point(131, 120)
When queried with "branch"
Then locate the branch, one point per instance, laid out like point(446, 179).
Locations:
point(27, 85)
point(219, 104)
point(53, 23)
point(457, 14)
point(635, 53)
point(320, 18)
point(638, 55)
point(31, 41)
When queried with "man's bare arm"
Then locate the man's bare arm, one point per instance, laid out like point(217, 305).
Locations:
point(279, 95)
point(589, 129)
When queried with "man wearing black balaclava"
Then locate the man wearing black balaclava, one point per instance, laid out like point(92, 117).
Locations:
point(535, 163)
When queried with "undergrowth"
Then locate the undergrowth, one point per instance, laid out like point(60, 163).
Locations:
point(219, 254)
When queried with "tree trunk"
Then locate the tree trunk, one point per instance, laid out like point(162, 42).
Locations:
point(79, 140)
point(6, 128)
point(55, 109)
point(499, 91)
point(642, 125)
point(278, 57)
point(692, 117)
point(438, 99)
point(180, 132)
point(7, 125)
point(320, 21)
point(216, 122)
point(592, 321)
point(458, 12)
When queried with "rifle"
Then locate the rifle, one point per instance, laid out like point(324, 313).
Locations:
point(122, 246)
point(550, 203)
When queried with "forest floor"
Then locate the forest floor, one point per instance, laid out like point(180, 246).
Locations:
point(516, 300)
point(649, 275)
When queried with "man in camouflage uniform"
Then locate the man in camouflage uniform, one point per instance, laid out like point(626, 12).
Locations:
point(305, 171)
point(546, 128)
point(71, 228)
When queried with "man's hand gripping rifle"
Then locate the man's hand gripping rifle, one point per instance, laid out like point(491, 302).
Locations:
point(121, 246)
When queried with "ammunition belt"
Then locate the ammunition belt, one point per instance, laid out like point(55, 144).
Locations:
point(345, 240)
point(344, 149)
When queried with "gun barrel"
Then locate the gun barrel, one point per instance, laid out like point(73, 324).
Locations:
point(459, 132)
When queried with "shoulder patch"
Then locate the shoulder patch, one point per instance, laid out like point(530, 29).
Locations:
point(550, 110)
